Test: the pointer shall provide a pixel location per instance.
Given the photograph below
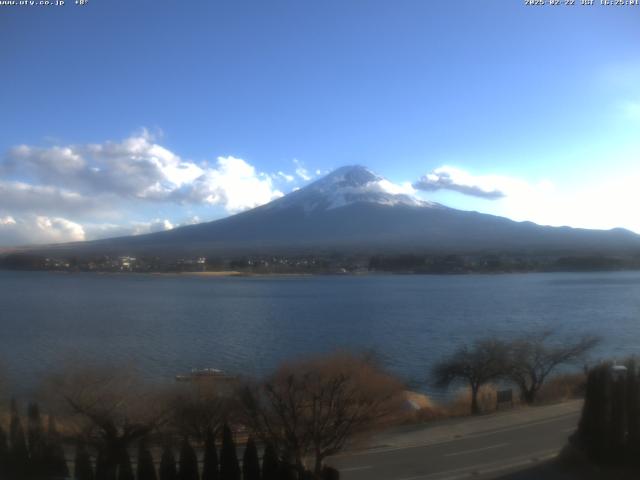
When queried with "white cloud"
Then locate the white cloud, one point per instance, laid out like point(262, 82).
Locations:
point(86, 183)
point(191, 220)
point(288, 178)
point(38, 229)
point(157, 225)
point(301, 171)
point(605, 203)
point(397, 188)
point(95, 231)
point(135, 168)
point(49, 164)
point(60, 229)
point(511, 197)
point(233, 183)
point(458, 180)
point(599, 202)
point(19, 197)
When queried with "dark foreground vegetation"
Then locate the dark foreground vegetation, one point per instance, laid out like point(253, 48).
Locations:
point(116, 428)
point(609, 430)
point(40, 455)
point(112, 426)
point(606, 444)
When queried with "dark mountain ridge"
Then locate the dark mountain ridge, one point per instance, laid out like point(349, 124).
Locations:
point(354, 210)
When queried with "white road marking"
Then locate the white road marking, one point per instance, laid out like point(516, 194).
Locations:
point(465, 452)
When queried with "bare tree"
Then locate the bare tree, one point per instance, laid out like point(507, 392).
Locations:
point(112, 408)
point(476, 365)
point(312, 408)
point(199, 408)
point(534, 357)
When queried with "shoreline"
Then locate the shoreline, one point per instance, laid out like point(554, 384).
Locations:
point(226, 273)
point(237, 273)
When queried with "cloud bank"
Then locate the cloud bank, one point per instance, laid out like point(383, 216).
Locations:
point(490, 187)
point(87, 191)
point(599, 201)
point(20, 231)
point(137, 168)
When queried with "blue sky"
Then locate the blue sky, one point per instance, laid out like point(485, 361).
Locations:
point(125, 117)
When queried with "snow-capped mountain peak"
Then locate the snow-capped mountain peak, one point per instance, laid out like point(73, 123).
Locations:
point(348, 185)
point(350, 176)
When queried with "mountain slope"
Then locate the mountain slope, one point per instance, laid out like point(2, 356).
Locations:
point(353, 209)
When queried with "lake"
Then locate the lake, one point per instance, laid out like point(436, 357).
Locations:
point(165, 325)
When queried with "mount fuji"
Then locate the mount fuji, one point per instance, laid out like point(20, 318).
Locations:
point(354, 210)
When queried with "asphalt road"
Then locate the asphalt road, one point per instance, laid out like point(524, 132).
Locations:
point(481, 454)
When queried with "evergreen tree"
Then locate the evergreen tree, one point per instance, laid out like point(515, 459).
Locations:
point(210, 467)
point(250, 462)
point(188, 462)
point(105, 470)
point(606, 417)
point(603, 431)
point(168, 465)
point(633, 412)
point(587, 427)
point(146, 470)
point(101, 466)
point(55, 460)
point(229, 468)
point(83, 469)
point(4, 454)
point(36, 441)
point(269, 464)
point(618, 424)
point(125, 470)
point(19, 454)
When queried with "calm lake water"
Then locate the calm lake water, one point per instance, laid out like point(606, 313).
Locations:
point(165, 325)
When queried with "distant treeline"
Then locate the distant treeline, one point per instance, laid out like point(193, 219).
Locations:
point(331, 263)
point(164, 264)
point(412, 263)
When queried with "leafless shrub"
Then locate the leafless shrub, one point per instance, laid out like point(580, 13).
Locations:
point(310, 409)
point(197, 408)
point(110, 408)
point(562, 387)
point(460, 405)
